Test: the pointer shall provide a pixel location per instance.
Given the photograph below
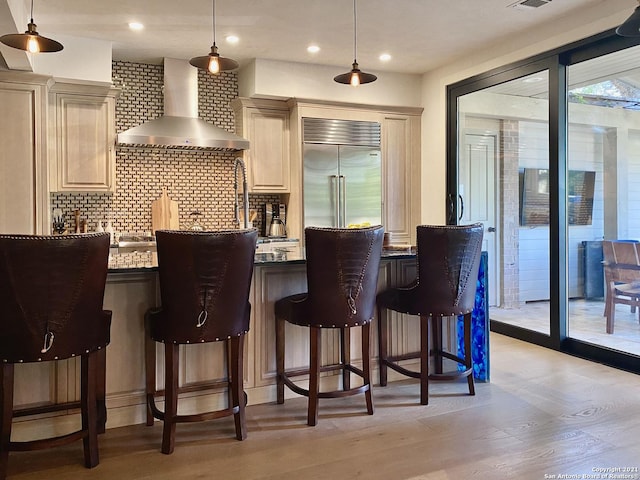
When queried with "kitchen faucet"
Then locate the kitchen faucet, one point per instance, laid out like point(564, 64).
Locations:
point(239, 163)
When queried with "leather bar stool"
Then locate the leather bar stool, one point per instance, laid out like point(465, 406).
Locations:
point(52, 293)
point(342, 275)
point(448, 263)
point(205, 279)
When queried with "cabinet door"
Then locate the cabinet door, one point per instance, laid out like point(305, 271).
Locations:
point(85, 136)
point(21, 149)
point(401, 147)
point(268, 154)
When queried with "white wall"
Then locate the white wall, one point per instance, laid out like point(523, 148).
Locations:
point(278, 79)
point(81, 58)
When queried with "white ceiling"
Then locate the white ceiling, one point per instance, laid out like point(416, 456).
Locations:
point(419, 34)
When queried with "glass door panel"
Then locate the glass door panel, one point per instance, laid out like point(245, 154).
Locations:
point(603, 196)
point(503, 181)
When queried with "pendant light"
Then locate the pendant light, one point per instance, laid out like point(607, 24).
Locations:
point(355, 77)
point(31, 40)
point(214, 63)
point(631, 26)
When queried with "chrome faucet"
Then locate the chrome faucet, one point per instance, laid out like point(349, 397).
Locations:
point(239, 163)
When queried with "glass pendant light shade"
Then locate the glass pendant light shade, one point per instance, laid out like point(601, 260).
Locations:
point(214, 63)
point(356, 76)
point(31, 40)
point(631, 26)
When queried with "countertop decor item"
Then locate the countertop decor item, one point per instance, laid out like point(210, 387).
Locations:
point(164, 213)
point(31, 41)
point(356, 76)
point(214, 63)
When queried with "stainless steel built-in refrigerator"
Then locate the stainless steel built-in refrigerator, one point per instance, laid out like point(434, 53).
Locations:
point(342, 175)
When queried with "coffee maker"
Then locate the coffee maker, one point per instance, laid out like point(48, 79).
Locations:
point(274, 219)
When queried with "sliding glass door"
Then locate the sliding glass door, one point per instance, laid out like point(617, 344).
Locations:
point(546, 153)
point(503, 181)
point(603, 196)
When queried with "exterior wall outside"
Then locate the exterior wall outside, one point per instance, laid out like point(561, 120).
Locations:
point(597, 141)
point(510, 271)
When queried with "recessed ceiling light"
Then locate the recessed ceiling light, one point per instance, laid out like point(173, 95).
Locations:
point(532, 80)
point(232, 39)
point(313, 49)
point(385, 57)
point(136, 26)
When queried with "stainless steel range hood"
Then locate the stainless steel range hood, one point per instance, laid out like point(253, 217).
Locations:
point(180, 126)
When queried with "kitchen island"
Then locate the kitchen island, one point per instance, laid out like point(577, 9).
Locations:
point(132, 288)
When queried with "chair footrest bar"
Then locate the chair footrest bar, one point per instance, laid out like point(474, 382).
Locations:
point(450, 375)
point(394, 366)
point(332, 394)
point(23, 412)
point(47, 442)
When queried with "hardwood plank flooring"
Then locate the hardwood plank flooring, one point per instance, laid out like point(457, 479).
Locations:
point(543, 413)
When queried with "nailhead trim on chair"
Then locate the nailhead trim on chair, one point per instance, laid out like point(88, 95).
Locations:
point(202, 341)
point(5, 360)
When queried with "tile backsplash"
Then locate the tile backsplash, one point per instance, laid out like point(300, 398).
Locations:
point(197, 180)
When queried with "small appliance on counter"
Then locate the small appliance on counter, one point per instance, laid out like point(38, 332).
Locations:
point(274, 220)
point(136, 242)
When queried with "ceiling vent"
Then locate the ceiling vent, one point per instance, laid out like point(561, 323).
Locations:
point(528, 4)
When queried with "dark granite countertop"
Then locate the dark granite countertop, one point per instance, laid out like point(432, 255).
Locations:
point(138, 262)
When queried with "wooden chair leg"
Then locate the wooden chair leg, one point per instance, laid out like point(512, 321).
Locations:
point(150, 372)
point(170, 397)
point(314, 376)
point(366, 365)
point(345, 356)
point(101, 389)
point(280, 326)
point(236, 386)
point(382, 346)
point(424, 359)
point(436, 340)
point(468, 352)
point(611, 318)
point(89, 377)
point(6, 412)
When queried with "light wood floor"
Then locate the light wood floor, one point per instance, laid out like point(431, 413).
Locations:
point(542, 413)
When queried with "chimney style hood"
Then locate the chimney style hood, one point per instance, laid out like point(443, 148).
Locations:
point(180, 126)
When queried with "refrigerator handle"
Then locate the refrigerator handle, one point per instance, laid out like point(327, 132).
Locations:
point(343, 200)
point(336, 197)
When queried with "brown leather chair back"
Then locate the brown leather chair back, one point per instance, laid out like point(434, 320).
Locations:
point(205, 279)
point(51, 295)
point(448, 263)
point(342, 274)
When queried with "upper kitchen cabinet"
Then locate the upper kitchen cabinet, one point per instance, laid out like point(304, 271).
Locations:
point(23, 167)
point(265, 123)
point(83, 137)
point(401, 171)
